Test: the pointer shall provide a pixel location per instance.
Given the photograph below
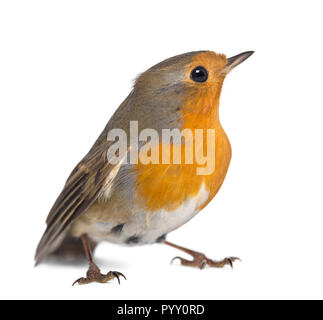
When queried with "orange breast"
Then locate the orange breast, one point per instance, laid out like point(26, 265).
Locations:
point(166, 186)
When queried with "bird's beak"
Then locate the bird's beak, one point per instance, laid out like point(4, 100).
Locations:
point(236, 60)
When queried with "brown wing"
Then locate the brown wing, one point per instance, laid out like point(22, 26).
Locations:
point(80, 191)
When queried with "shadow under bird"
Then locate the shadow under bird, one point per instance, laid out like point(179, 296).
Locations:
point(140, 203)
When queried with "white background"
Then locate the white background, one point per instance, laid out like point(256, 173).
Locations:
point(65, 66)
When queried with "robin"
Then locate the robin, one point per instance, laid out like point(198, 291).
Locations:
point(128, 200)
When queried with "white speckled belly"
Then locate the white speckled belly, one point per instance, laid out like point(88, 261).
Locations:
point(142, 230)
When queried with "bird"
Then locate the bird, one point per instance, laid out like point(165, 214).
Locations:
point(120, 196)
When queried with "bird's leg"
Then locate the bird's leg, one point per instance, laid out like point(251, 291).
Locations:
point(200, 260)
point(94, 274)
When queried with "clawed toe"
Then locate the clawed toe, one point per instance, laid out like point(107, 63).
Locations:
point(176, 258)
point(201, 261)
point(220, 264)
point(116, 274)
point(231, 260)
point(94, 275)
point(77, 281)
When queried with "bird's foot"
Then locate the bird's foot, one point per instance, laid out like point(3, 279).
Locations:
point(94, 275)
point(201, 261)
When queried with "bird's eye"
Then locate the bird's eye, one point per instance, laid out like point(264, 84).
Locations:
point(199, 74)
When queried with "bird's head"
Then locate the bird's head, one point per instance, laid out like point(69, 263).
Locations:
point(190, 82)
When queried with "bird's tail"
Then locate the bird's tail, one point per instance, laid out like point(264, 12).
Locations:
point(70, 250)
